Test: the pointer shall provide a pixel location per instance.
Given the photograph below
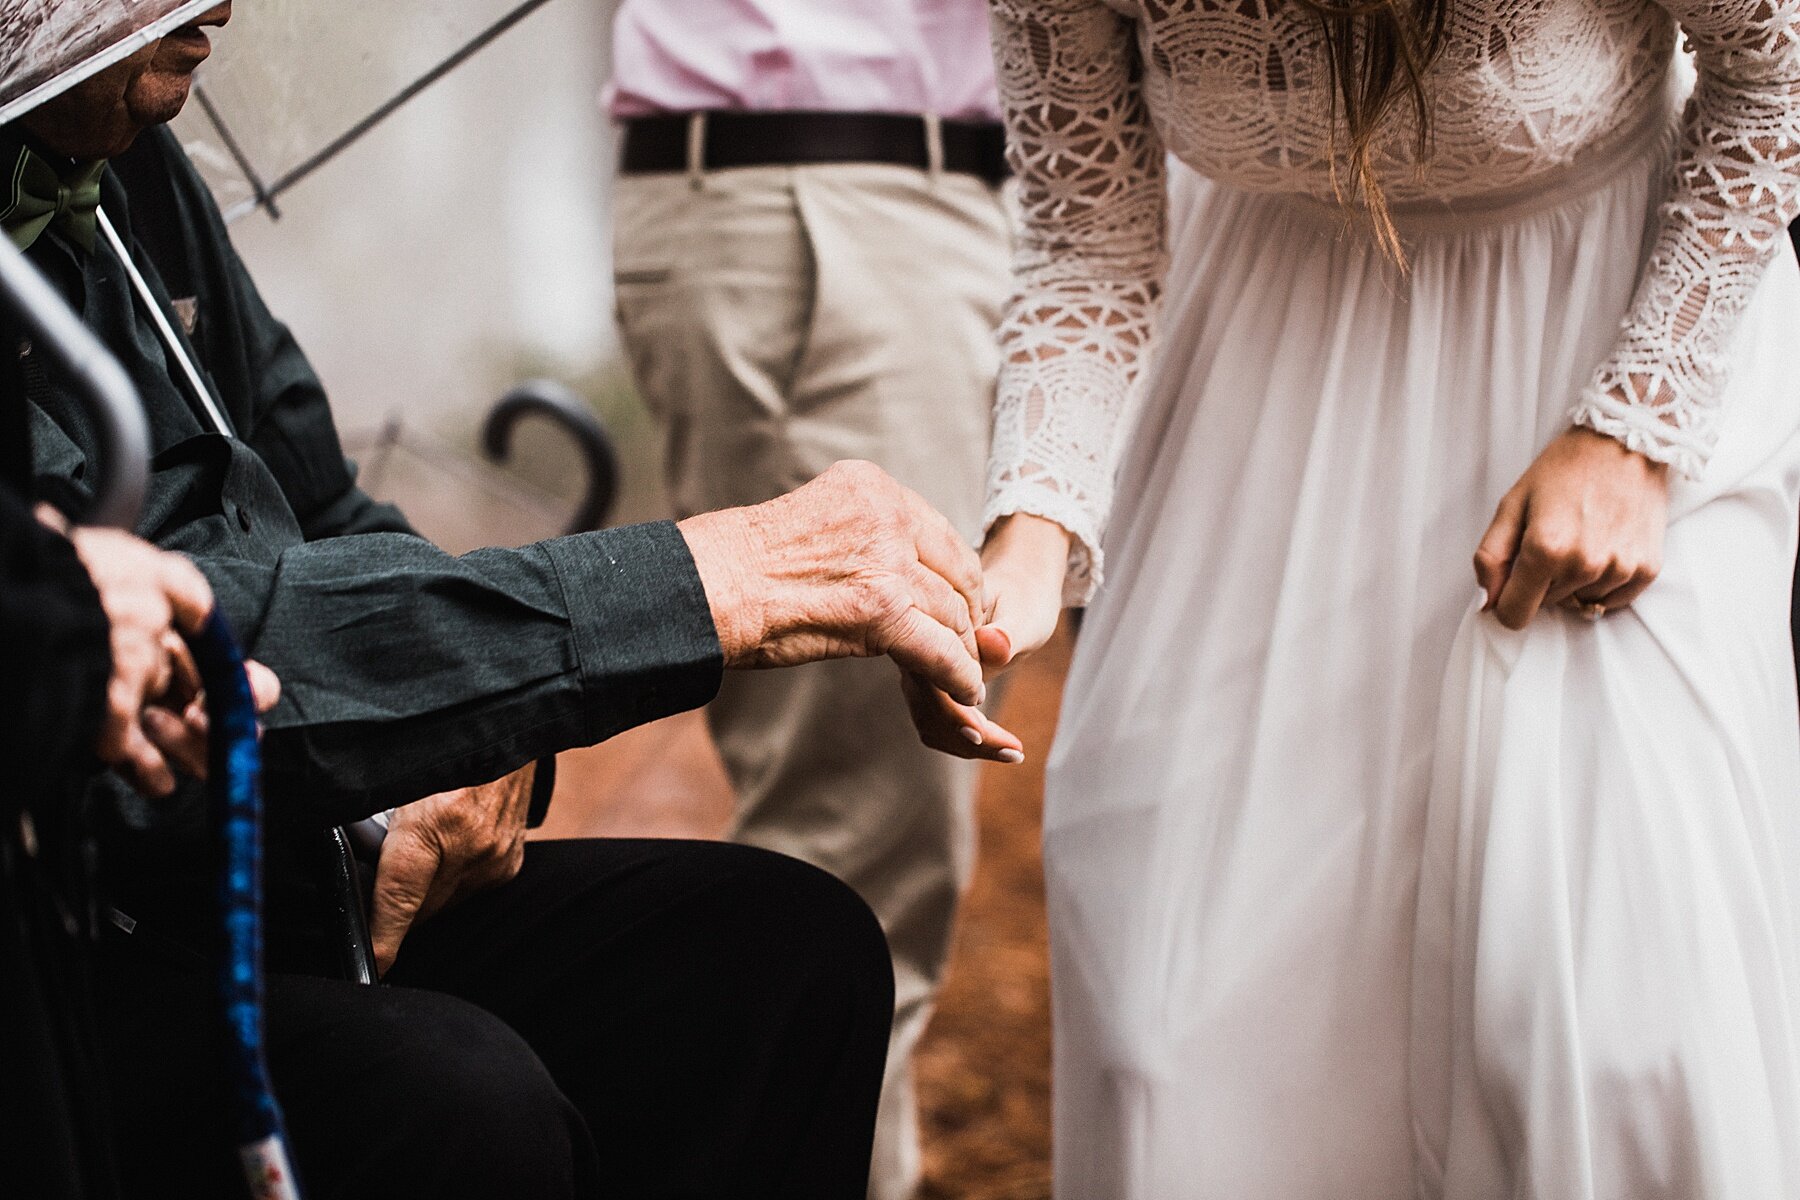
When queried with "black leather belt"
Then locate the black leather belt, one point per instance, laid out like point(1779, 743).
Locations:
point(772, 139)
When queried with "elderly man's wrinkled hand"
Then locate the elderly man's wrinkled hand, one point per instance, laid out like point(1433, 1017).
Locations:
point(443, 848)
point(850, 565)
point(155, 721)
point(180, 732)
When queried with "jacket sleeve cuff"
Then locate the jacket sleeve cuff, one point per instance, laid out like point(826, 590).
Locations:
point(644, 635)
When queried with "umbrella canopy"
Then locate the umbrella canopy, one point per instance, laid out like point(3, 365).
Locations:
point(296, 81)
point(47, 46)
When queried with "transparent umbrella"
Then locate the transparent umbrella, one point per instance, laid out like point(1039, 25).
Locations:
point(291, 85)
point(303, 80)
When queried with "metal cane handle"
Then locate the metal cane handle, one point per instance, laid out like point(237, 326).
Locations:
point(124, 468)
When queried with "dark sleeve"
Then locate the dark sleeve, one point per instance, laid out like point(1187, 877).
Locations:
point(483, 643)
point(57, 654)
point(288, 421)
point(293, 432)
point(351, 510)
point(406, 671)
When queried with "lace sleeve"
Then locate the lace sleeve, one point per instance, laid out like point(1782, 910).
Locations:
point(1737, 186)
point(1088, 266)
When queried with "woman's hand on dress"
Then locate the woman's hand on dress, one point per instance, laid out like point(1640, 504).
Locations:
point(1023, 564)
point(1582, 529)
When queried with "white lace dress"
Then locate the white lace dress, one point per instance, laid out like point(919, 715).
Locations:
point(1356, 895)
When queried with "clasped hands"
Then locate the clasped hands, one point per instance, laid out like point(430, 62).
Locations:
point(854, 565)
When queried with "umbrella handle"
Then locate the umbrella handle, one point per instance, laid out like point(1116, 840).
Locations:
point(234, 772)
point(100, 382)
point(566, 410)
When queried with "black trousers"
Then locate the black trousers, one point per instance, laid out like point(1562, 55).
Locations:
point(631, 1019)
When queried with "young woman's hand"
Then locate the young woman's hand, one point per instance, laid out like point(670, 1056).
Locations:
point(1023, 564)
point(1582, 529)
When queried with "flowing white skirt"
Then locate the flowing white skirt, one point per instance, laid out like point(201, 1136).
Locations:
point(1356, 895)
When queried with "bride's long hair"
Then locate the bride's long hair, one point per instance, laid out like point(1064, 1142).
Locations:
point(1378, 52)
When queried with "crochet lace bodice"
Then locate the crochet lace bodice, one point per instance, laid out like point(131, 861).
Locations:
point(1523, 92)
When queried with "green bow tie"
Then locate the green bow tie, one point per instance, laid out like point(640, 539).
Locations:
point(41, 198)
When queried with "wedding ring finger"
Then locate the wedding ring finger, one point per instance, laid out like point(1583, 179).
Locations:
point(1587, 610)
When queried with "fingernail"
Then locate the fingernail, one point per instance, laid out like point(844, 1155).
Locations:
point(1015, 757)
point(974, 735)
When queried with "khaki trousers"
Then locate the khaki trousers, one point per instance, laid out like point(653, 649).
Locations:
point(778, 320)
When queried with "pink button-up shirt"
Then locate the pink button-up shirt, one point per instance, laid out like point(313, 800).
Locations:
point(910, 56)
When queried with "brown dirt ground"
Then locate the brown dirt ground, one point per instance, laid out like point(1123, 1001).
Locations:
point(984, 1066)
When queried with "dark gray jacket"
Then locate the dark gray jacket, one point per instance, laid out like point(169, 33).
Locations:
point(405, 671)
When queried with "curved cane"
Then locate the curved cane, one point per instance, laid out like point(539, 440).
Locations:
point(568, 412)
point(234, 769)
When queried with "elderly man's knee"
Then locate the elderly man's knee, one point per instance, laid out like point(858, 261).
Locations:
point(811, 933)
point(479, 1109)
